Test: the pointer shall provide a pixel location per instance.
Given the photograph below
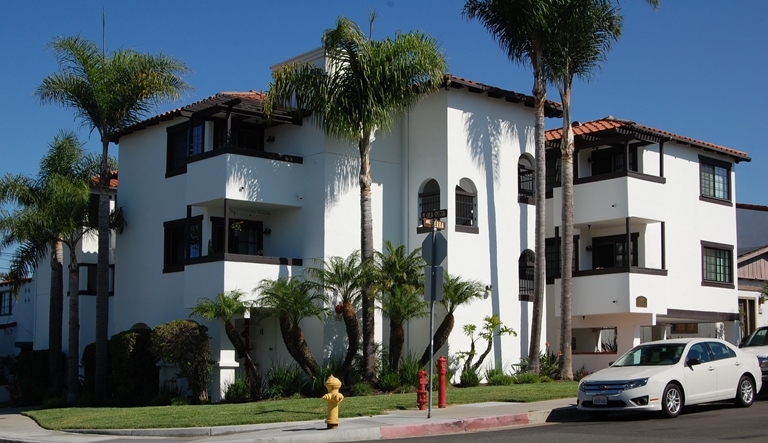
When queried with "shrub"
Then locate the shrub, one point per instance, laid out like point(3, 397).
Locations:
point(316, 387)
point(527, 378)
point(501, 380)
point(409, 370)
point(361, 389)
point(135, 375)
point(469, 378)
point(581, 373)
point(490, 372)
point(31, 383)
point(389, 381)
point(186, 344)
point(168, 391)
point(545, 379)
point(285, 380)
point(238, 391)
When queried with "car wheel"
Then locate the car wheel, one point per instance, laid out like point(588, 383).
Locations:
point(597, 415)
point(672, 401)
point(745, 393)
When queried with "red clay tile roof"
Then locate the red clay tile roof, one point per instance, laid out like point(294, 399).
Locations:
point(551, 109)
point(112, 179)
point(216, 99)
point(610, 123)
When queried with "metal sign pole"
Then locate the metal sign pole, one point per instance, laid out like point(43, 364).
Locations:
point(432, 320)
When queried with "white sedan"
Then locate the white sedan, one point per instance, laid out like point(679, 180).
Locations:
point(667, 374)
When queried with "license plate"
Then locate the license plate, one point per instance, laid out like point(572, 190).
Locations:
point(599, 400)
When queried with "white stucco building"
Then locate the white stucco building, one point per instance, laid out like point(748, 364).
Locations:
point(293, 194)
point(671, 199)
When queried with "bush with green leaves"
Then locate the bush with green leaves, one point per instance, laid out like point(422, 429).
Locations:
point(409, 370)
point(30, 385)
point(550, 364)
point(135, 376)
point(361, 389)
point(285, 380)
point(527, 378)
point(497, 377)
point(469, 378)
point(237, 391)
point(389, 381)
point(186, 344)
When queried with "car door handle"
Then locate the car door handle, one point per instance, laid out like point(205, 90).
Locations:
point(711, 368)
point(738, 363)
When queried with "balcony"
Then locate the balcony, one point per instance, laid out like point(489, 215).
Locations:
point(209, 275)
point(613, 197)
point(246, 175)
point(616, 291)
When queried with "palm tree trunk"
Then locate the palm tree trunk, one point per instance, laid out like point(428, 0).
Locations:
point(55, 318)
point(396, 341)
point(239, 345)
point(485, 353)
point(439, 339)
point(293, 337)
point(73, 353)
point(352, 326)
point(539, 280)
point(366, 251)
point(566, 149)
point(102, 279)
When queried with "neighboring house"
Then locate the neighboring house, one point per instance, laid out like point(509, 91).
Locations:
point(17, 317)
point(87, 258)
point(752, 222)
point(752, 226)
point(655, 238)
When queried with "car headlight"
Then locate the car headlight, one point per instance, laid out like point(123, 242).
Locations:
point(582, 387)
point(763, 362)
point(632, 384)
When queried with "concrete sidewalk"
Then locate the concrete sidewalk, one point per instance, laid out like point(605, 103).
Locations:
point(15, 427)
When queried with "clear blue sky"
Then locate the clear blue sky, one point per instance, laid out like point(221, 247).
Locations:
point(697, 68)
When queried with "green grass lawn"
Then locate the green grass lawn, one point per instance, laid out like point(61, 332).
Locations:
point(272, 411)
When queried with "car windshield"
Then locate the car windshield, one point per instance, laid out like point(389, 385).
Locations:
point(758, 338)
point(652, 355)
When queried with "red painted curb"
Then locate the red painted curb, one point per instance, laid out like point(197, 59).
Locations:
point(453, 427)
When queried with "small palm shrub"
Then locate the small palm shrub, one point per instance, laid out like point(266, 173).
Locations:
point(545, 379)
point(527, 378)
point(469, 378)
point(501, 380)
point(409, 370)
point(389, 381)
point(361, 389)
point(285, 380)
point(491, 371)
point(238, 391)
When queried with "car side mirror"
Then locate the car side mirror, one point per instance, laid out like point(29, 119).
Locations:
point(693, 362)
point(610, 363)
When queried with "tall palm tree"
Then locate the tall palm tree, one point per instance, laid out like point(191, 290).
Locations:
point(456, 292)
point(227, 305)
point(58, 213)
point(521, 28)
point(291, 299)
point(399, 276)
point(584, 31)
point(343, 280)
point(108, 92)
point(366, 85)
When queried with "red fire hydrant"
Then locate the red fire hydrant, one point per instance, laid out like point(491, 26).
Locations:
point(421, 392)
point(442, 369)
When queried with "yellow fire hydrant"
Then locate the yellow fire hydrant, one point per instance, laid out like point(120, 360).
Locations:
point(333, 397)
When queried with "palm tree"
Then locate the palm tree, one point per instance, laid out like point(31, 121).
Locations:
point(227, 305)
point(584, 32)
point(291, 299)
point(399, 276)
point(456, 292)
point(366, 85)
point(343, 279)
point(108, 93)
point(521, 28)
point(59, 212)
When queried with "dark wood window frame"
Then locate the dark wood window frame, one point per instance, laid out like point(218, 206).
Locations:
point(616, 239)
point(256, 227)
point(90, 282)
point(552, 251)
point(6, 303)
point(526, 185)
point(710, 247)
point(708, 193)
point(183, 142)
point(177, 247)
point(526, 273)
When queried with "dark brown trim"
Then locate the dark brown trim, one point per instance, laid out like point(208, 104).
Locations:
point(619, 174)
point(715, 284)
point(663, 245)
point(243, 258)
point(715, 200)
point(704, 160)
point(526, 200)
point(246, 153)
point(712, 283)
point(620, 270)
point(661, 158)
point(709, 244)
point(703, 316)
point(468, 229)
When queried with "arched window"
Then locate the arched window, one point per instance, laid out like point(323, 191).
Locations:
point(466, 206)
point(429, 200)
point(526, 273)
point(526, 184)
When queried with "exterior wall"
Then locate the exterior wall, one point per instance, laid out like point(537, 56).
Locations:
point(751, 221)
